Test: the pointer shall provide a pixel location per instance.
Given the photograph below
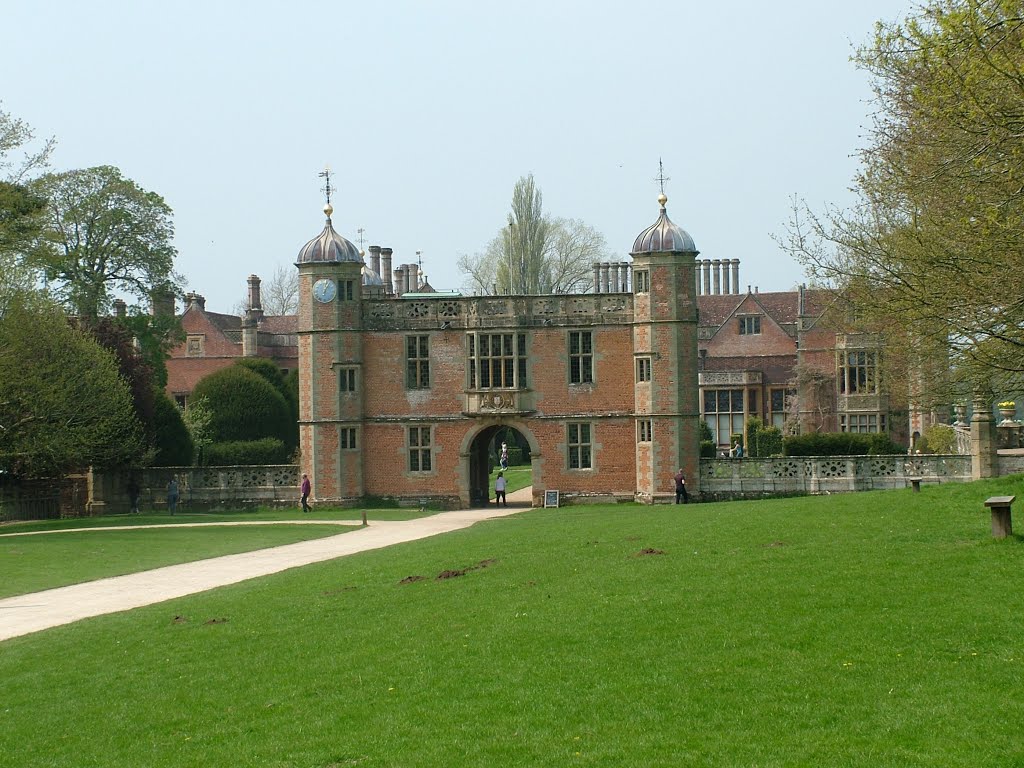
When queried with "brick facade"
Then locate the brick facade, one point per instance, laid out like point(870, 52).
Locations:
point(400, 397)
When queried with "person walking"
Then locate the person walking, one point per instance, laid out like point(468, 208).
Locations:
point(499, 490)
point(306, 488)
point(503, 456)
point(681, 488)
point(172, 494)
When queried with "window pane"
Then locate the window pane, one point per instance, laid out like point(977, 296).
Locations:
point(425, 462)
point(574, 434)
point(584, 433)
point(587, 342)
point(737, 400)
point(585, 456)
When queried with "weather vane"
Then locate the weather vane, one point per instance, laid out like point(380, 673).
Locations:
point(326, 189)
point(661, 178)
point(362, 240)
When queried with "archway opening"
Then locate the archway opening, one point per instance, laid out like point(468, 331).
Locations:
point(486, 455)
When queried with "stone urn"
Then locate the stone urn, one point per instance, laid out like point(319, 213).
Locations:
point(1008, 414)
point(961, 411)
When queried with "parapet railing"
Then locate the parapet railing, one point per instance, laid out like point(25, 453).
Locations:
point(825, 474)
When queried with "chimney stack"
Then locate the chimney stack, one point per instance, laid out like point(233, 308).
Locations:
point(735, 275)
point(120, 308)
point(386, 274)
point(706, 267)
point(597, 277)
point(255, 309)
point(375, 260)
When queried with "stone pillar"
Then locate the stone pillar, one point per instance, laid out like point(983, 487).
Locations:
point(984, 461)
point(249, 335)
point(706, 267)
point(613, 277)
point(604, 277)
point(716, 267)
point(735, 275)
point(624, 275)
point(597, 277)
point(385, 274)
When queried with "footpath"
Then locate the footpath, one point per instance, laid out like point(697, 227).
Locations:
point(25, 614)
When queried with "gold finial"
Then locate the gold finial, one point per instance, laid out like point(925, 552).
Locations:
point(328, 210)
point(661, 178)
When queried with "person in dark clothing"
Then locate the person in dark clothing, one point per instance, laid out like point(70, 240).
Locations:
point(681, 488)
point(133, 495)
point(306, 488)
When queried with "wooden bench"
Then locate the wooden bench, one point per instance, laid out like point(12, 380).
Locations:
point(1002, 526)
point(915, 483)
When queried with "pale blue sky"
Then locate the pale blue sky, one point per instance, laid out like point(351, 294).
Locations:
point(428, 113)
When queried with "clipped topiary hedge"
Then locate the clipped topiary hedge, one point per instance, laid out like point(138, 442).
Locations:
point(244, 406)
point(708, 449)
point(841, 444)
point(763, 440)
point(172, 440)
point(269, 450)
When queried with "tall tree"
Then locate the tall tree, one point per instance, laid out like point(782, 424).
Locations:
point(21, 210)
point(280, 294)
point(18, 158)
point(933, 252)
point(62, 403)
point(103, 233)
point(535, 253)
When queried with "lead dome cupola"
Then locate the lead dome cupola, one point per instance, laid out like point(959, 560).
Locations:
point(663, 236)
point(328, 246)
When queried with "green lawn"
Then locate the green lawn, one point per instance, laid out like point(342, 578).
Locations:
point(876, 629)
point(259, 514)
point(37, 562)
point(515, 478)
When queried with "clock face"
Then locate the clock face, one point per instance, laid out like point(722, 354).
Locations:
point(325, 290)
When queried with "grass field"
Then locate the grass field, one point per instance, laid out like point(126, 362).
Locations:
point(37, 562)
point(876, 629)
point(515, 478)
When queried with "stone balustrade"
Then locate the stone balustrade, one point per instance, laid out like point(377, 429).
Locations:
point(799, 475)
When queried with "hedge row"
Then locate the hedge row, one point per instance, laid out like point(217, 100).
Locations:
point(268, 450)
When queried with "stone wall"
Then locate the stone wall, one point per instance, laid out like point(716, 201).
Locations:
point(799, 475)
point(199, 488)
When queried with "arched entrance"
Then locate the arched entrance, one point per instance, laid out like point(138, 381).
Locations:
point(485, 451)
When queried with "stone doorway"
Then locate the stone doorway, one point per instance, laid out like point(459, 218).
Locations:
point(485, 455)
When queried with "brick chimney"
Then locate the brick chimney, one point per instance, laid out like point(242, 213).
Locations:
point(255, 305)
point(120, 308)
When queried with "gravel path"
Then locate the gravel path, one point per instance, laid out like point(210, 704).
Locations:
point(24, 614)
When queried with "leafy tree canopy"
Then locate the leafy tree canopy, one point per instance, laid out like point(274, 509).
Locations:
point(102, 233)
point(62, 403)
point(933, 253)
